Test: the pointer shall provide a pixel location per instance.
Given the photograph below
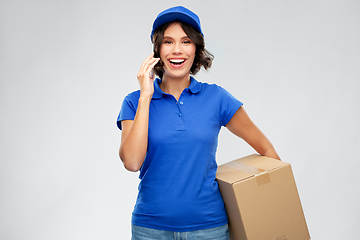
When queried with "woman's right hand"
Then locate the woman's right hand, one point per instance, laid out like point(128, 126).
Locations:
point(144, 78)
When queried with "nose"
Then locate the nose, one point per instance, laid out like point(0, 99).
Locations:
point(177, 48)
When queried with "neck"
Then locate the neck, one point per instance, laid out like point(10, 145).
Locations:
point(174, 86)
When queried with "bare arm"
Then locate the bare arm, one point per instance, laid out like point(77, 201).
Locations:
point(242, 126)
point(134, 134)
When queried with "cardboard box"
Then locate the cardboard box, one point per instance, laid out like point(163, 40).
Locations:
point(261, 200)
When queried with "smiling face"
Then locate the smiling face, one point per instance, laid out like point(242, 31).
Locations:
point(177, 52)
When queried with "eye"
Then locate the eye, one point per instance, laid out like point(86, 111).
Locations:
point(167, 42)
point(186, 41)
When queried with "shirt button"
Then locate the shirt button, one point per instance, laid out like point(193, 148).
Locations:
point(181, 103)
point(179, 114)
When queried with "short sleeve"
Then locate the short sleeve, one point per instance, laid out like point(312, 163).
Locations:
point(228, 106)
point(128, 108)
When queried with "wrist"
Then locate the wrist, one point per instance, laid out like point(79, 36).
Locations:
point(145, 98)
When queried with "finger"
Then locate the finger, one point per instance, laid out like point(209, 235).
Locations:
point(145, 63)
point(146, 68)
point(152, 64)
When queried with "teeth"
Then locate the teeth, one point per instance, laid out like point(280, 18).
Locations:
point(177, 61)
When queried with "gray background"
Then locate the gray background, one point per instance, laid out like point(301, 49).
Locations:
point(65, 67)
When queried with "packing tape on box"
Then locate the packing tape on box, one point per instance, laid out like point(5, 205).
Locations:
point(262, 176)
point(245, 167)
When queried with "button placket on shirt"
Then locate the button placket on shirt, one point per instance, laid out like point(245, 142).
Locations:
point(179, 104)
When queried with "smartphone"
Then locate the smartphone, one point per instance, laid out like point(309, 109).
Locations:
point(152, 74)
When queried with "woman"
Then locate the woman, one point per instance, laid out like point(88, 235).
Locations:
point(170, 129)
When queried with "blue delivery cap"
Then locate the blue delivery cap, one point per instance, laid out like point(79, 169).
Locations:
point(177, 13)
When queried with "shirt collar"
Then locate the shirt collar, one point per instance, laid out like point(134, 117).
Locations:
point(194, 87)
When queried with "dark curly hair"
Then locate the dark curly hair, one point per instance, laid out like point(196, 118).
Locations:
point(203, 58)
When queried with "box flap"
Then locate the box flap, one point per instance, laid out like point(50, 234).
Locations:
point(246, 167)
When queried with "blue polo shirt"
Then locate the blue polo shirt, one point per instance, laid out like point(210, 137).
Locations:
point(178, 191)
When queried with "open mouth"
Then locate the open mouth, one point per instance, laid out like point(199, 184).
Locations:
point(177, 61)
